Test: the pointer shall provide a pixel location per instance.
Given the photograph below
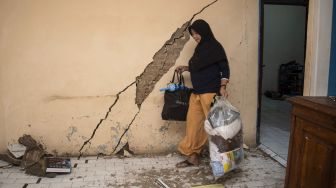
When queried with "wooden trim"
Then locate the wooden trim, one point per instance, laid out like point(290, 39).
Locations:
point(320, 104)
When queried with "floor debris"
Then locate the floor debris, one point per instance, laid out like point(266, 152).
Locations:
point(125, 151)
point(211, 186)
point(29, 155)
point(257, 170)
point(161, 183)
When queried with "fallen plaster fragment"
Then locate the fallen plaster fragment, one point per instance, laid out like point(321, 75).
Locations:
point(125, 151)
point(163, 60)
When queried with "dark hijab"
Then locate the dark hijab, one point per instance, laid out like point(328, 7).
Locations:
point(208, 51)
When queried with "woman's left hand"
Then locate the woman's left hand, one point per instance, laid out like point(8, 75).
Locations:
point(223, 92)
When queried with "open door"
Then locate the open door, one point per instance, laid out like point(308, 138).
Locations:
point(283, 26)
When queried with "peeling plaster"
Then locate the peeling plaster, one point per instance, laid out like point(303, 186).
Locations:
point(163, 60)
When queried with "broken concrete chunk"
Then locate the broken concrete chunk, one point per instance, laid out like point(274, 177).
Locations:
point(127, 154)
point(125, 151)
point(17, 150)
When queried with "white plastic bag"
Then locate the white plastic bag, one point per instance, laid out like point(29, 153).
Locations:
point(224, 127)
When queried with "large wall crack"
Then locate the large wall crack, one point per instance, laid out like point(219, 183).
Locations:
point(125, 131)
point(163, 60)
point(103, 119)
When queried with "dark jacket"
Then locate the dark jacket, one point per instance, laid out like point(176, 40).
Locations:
point(208, 79)
point(209, 63)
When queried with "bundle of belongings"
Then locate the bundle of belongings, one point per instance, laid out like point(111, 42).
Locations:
point(31, 156)
point(224, 128)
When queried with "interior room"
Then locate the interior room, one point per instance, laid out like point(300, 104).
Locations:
point(284, 33)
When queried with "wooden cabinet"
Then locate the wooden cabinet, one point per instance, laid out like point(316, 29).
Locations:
point(312, 146)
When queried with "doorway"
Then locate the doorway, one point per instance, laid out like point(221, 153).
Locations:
point(283, 26)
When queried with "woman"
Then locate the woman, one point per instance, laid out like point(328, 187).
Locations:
point(209, 72)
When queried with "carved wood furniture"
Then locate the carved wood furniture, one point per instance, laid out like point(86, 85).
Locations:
point(312, 147)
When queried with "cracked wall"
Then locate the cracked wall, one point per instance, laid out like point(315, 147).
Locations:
point(63, 64)
point(163, 60)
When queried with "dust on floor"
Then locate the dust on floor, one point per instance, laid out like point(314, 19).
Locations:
point(257, 170)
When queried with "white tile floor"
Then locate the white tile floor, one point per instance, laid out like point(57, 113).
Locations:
point(275, 126)
point(256, 171)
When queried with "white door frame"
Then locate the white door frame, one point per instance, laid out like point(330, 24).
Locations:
point(318, 47)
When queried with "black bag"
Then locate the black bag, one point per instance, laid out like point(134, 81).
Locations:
point(176, 102)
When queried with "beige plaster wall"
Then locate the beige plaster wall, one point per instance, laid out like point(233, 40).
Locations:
point(64, 62)
point(318, 48)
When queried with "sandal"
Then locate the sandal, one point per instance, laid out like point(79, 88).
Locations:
point(184, 164)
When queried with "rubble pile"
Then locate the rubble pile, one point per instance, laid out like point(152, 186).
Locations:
point(29, 154)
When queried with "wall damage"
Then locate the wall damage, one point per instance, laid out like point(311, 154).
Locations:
point(163, 60)
point(102, 120)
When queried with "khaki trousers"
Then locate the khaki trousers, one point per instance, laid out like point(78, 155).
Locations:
point(196, 137)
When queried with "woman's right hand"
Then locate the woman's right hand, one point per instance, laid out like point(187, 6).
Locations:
point(181, 68)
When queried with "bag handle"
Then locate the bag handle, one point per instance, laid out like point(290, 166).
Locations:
point(181, 79)
point(179, 76)
point(173, 79)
